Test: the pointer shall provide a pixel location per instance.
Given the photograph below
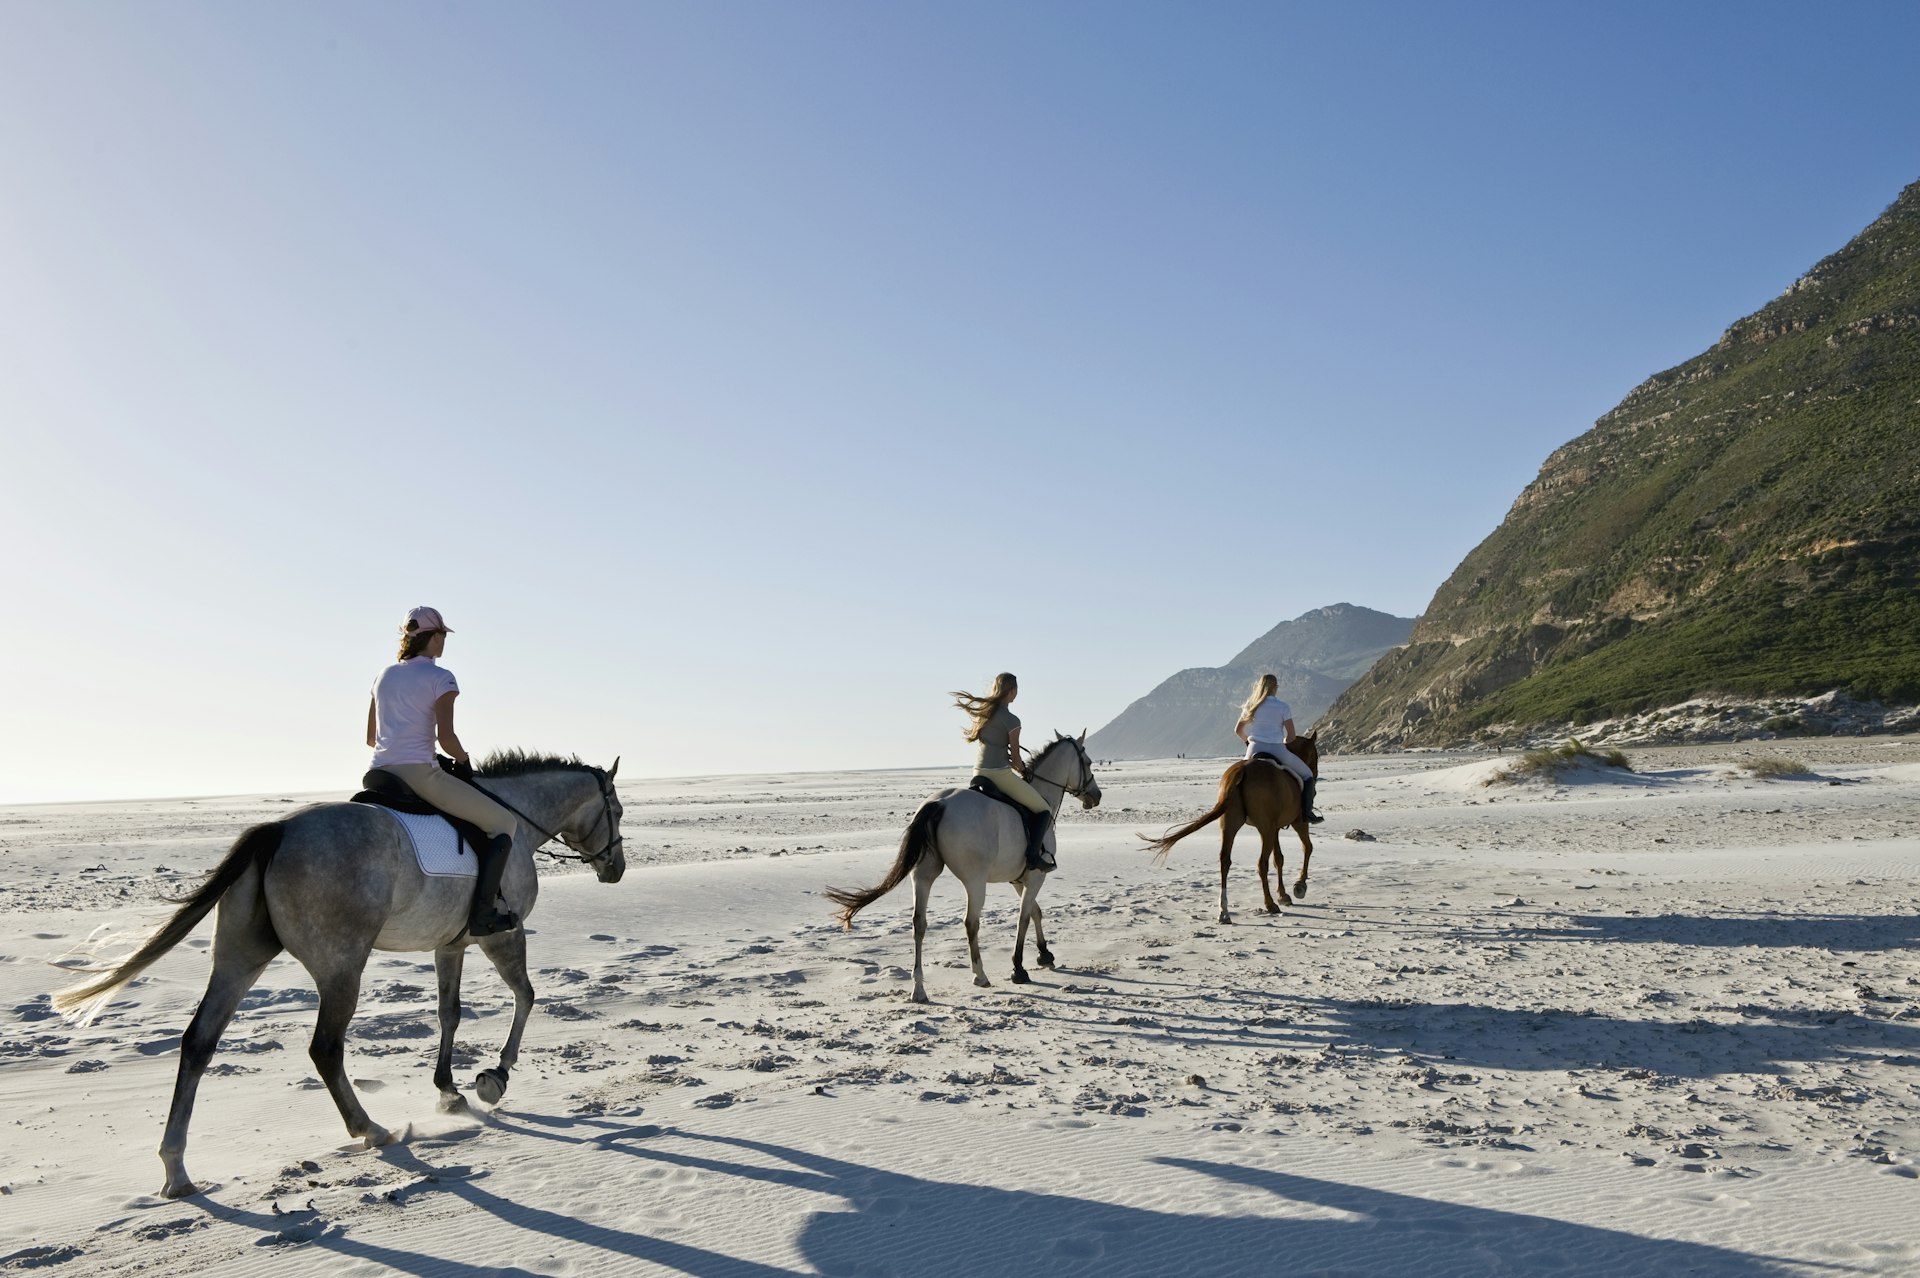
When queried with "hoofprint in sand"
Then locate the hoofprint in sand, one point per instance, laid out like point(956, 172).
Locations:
point(1658, 1022)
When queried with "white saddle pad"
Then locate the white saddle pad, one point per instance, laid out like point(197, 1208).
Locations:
point(437, 846)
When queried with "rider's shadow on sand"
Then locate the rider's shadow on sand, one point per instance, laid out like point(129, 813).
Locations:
point(876, 1221)
point(1785, 930)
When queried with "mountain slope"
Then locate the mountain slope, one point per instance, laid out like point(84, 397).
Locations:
point(1748, 522)
point(1313, 656)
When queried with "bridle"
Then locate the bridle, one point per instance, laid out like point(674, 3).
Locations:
point(614, 839)
point(1086, 772)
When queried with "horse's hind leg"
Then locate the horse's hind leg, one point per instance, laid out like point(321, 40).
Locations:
point(448, 961)
point(339, 995)
point(1042, 955)
point(1230, 822)
point(976, 889)
point(923, 876)
point(244, 943)
point(1306, 856)
point(508, 953)
point(1270, 855)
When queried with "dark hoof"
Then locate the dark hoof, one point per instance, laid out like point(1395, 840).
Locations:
point(1046, 959)
point(1300, 890)
point(454, 1103)
point(490, 1085)
point(1020, 976)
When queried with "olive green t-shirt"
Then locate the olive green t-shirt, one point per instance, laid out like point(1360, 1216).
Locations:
point(993, 741)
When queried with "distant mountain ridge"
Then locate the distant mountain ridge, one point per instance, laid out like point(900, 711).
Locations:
point(1747, 524)
point(1314, 657)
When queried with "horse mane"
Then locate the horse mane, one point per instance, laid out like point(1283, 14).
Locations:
point(1048, 749)
point(518, 763)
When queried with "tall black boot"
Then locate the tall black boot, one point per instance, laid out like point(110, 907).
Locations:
point(1306, 800)
point(1038, 858)
point(487, 916)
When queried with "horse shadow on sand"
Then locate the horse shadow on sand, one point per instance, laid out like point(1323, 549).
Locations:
point(1762, 1040)
point(874, 1221)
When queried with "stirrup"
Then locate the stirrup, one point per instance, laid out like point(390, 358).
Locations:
point(493, 921)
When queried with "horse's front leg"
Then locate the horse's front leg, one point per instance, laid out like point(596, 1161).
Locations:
point(976, 889)
point(448, 961)
point(1020, 976)
point(1306, 856)
point(508, 953)
point(339, 995)
point(1041, 953)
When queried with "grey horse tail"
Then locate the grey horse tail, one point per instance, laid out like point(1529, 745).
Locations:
point(917, 839)
point(253, 848)
point(1164, 844)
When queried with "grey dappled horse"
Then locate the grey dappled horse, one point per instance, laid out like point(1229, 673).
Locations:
point(332, 883)
point(982, 841)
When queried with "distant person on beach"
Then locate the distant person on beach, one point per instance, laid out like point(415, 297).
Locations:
point(1266, 725)
point(412, 706)
point(994, 729)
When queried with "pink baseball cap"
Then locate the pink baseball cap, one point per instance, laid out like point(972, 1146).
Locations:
point(425, 618)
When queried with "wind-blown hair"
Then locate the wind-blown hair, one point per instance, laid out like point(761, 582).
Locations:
point(1267, 685)
point(981, 709)
point(414, 642)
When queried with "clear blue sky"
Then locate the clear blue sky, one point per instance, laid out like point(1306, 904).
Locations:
point(739, 378)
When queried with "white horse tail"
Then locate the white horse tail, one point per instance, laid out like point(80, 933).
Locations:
point(254, 848)
point(914, 843)
point(1164, 844)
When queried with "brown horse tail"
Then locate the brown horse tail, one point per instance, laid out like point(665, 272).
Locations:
point(256, 847)
point(917, 839)
point(1164, 844)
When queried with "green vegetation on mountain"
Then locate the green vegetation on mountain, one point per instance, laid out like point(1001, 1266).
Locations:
point(1746, 523)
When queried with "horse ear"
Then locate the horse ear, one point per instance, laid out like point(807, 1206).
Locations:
point(615, 768)
point(1083, 736)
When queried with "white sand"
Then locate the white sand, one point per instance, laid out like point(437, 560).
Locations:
point(1663, 1024)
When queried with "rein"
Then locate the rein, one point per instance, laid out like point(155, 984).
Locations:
point(548, 836)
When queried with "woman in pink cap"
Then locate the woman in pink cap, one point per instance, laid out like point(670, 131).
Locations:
point(412, 707)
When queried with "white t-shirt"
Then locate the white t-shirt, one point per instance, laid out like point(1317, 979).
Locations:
point(1269, 723)
point(403, 722)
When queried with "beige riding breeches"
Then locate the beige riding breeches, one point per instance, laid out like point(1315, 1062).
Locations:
point(454, 796)
point(1015, 787)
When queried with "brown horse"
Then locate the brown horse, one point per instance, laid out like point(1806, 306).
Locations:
point(1260, 793)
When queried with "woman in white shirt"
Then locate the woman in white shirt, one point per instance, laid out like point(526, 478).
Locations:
point(412, 707)
point(1266, 724)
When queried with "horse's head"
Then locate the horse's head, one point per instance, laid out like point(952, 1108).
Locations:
point(1065, 763)
point(1307, 750)
point(592, 828)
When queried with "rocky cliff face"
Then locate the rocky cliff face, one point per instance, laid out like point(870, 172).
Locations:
point(1746, 523)
point(1313, 657)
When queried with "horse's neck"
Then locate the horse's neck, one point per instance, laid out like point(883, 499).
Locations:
point(545, 798)
point(1060, 787)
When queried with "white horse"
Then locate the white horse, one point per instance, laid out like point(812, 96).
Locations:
point(331, 884)
point(982, 841)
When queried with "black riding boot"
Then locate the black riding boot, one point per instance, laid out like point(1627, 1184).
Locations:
point(487, 916)
point(1038, 858)
point(1306, 800)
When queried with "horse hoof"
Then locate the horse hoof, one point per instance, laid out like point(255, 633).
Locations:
point(454, 1103)
point(490, 1085)
point(1300, 890)
point(180, 1188)
point(1046, 959)
point(377, 1136)
point(983, 982)
point(920, 996)
point(1225, 917)
point(1020, 976)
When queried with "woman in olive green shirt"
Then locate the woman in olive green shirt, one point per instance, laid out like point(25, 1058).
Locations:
point(996, 731)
